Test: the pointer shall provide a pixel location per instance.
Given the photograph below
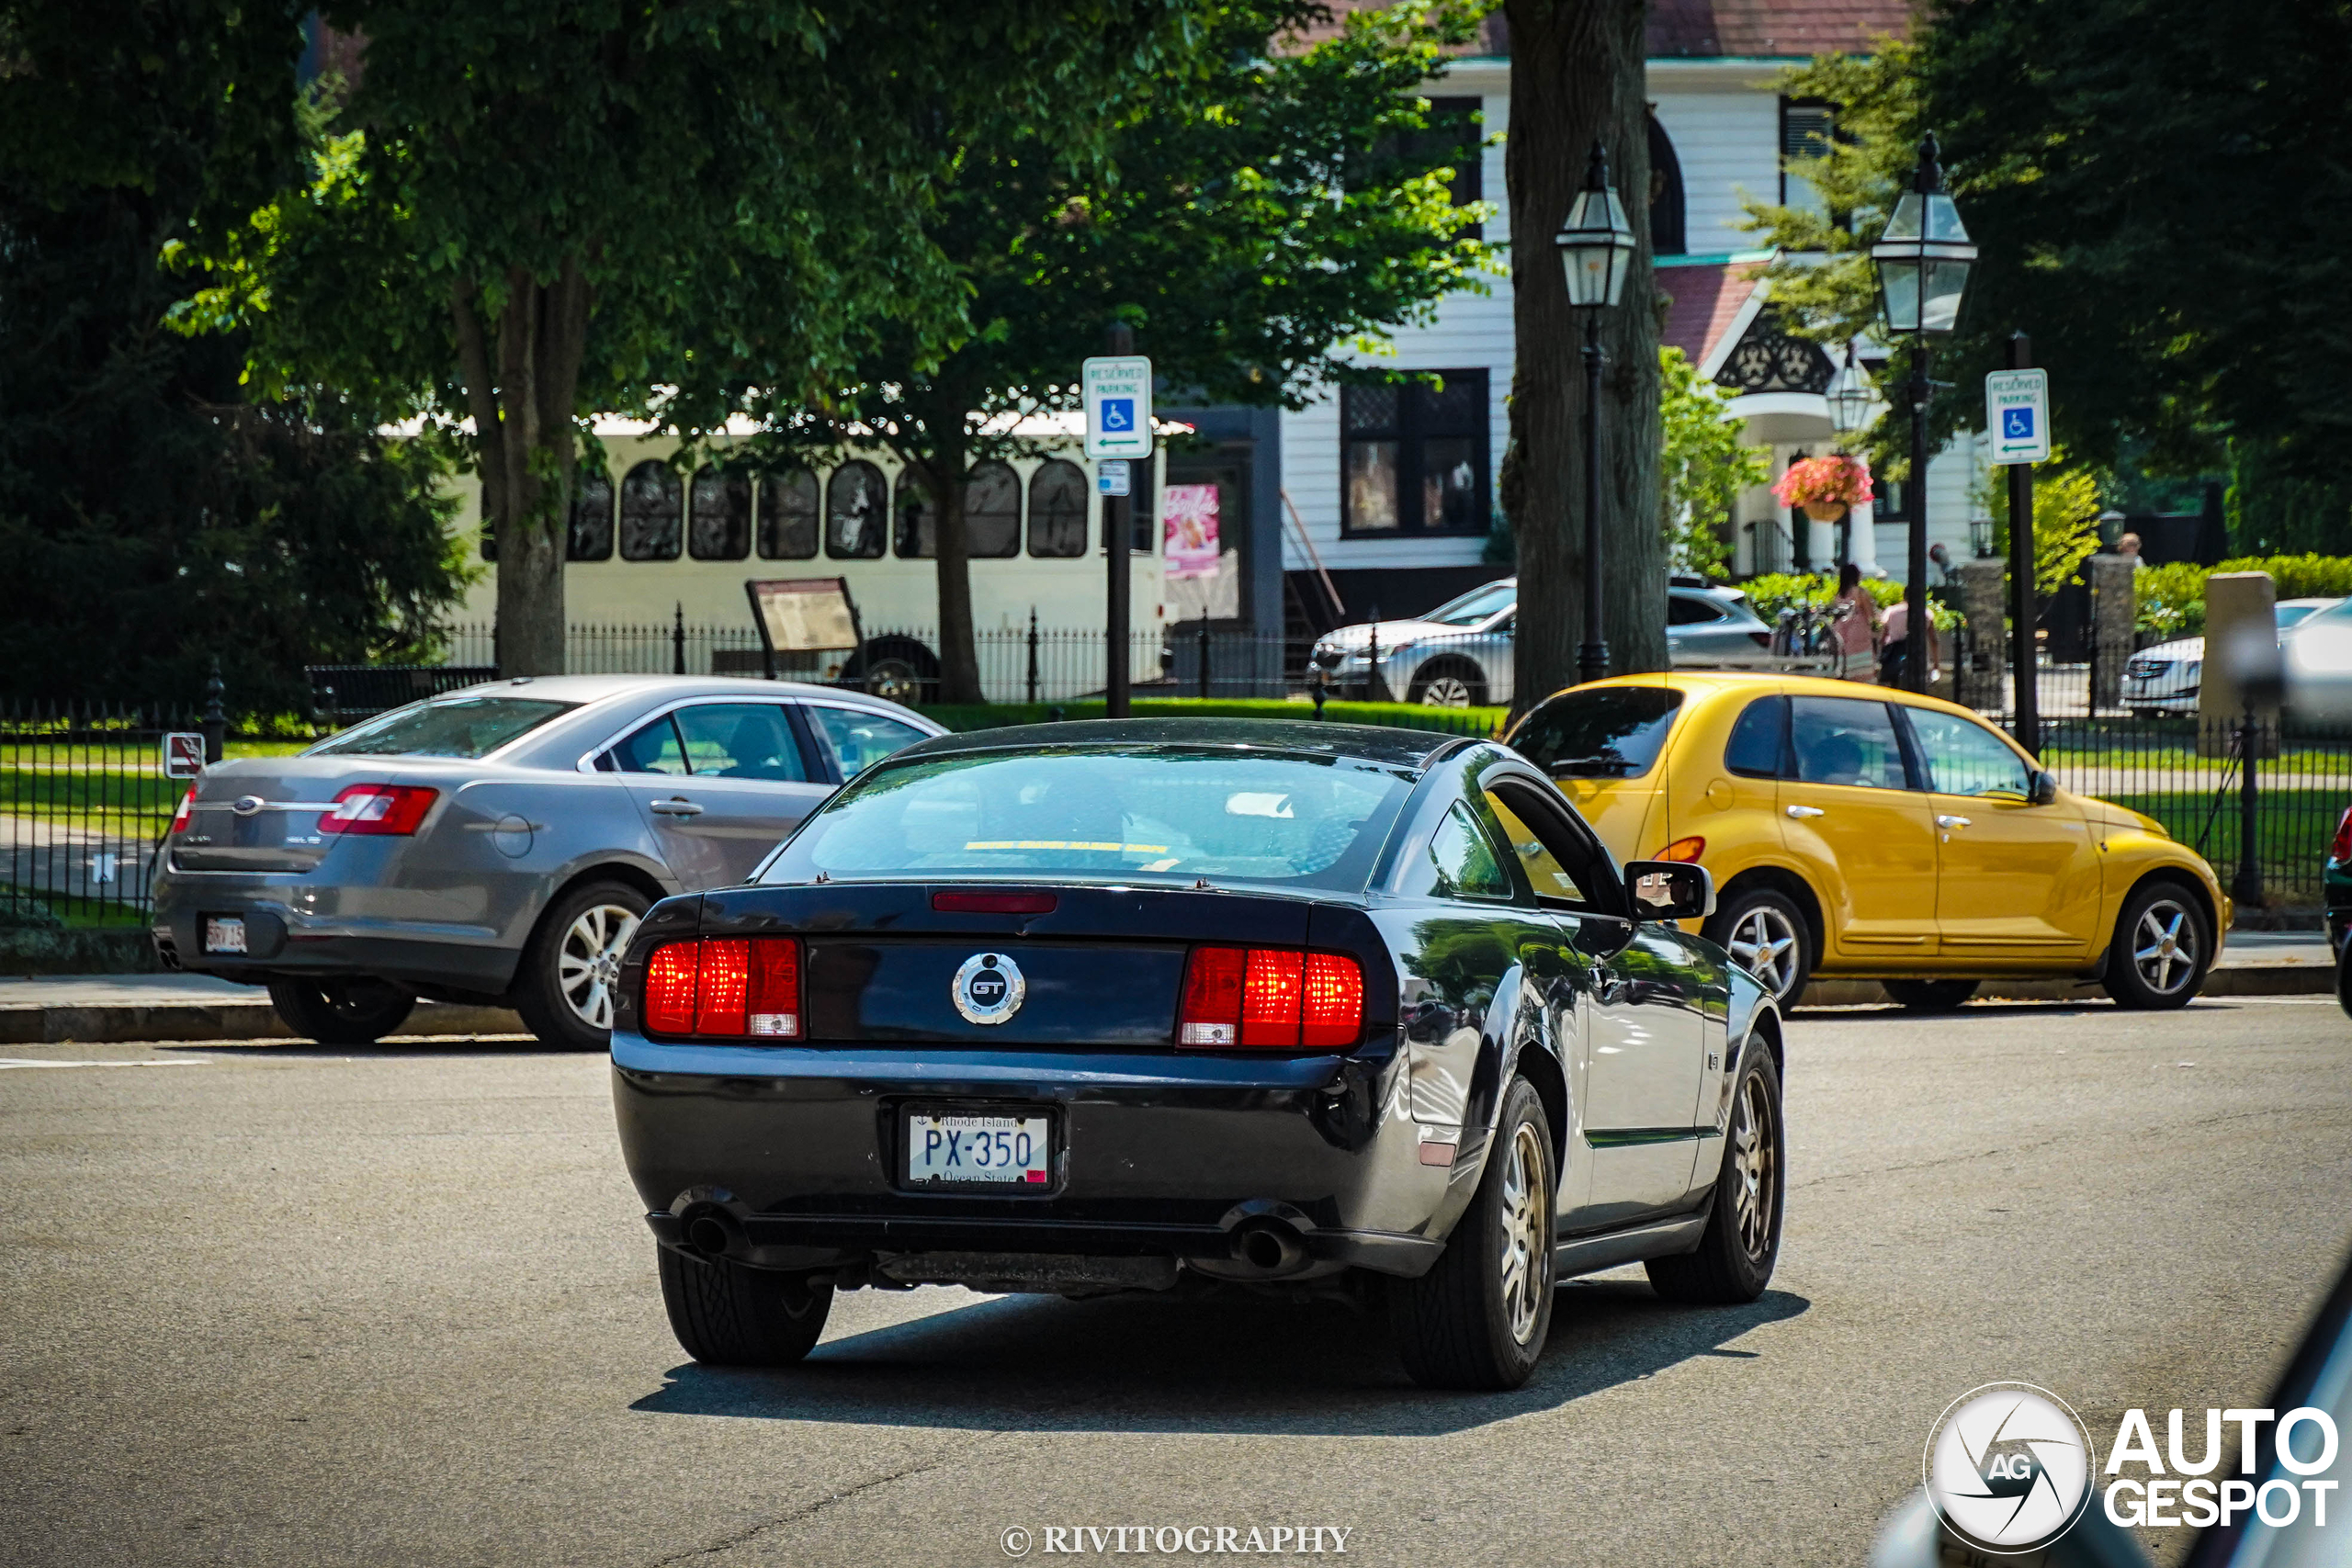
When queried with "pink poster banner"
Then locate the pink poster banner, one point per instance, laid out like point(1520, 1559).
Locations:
point(1188, 514)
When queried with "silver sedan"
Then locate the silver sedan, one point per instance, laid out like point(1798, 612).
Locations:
point(497, 844)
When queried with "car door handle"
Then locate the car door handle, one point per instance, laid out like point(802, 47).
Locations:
point(1951, 821)
point(676, 808)
point(1802, 812)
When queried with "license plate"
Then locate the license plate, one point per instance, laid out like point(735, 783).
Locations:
point(224, 933)
point(960, 1149)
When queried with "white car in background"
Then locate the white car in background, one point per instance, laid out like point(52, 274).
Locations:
point(2162, 681)
point(1460, 654)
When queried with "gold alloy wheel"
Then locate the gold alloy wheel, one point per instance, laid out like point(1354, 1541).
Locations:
point(588, 964)
point(1751, 1169)
point(2163, 946)
point(1526, 1267)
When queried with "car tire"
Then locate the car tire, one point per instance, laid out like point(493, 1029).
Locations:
point(1734, 1259)
point(566, 980)
point(348, 1011)
point(1478, 1318)
point(1931, 996)
point(1448, 684)
point(1763, 920)
point(2162, 948)
point(728, 1315)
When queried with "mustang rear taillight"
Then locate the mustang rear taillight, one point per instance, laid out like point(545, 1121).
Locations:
point(1270, 999)
point(187, 812)
point(395, 810)
point(2339, 849)
point(724, 988)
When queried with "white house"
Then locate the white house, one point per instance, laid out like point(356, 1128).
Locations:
point(1390, 495)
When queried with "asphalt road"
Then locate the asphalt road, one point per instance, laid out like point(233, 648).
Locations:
point(285, 1306)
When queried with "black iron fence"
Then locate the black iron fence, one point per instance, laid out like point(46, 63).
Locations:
point(84, 802)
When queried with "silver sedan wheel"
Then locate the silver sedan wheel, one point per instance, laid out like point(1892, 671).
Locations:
point(1446, 692)
point(1765, 944)
point(1526, 1272)
point(1751, 1169)
point(588, 964)
point(2163, 947)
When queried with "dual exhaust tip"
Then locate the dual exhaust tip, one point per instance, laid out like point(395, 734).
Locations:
point(1263, 1245)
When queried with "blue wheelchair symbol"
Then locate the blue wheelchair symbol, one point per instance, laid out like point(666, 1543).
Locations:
point(1118, 414)
point(2017, 424)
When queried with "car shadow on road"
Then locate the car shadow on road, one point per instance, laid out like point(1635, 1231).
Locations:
point(1210, 1365)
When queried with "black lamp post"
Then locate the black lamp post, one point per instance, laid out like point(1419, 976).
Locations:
point(1922, 261)
point(1597, 248)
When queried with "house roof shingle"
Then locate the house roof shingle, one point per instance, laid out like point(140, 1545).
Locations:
point(1707, 301)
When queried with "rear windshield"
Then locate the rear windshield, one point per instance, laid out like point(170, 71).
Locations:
point(1603, 732)
point(455, 727)
point(1107, 812)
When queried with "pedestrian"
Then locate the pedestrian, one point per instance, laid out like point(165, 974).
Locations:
point(1897, 644)
point(2128, 547)
point(1855, 628)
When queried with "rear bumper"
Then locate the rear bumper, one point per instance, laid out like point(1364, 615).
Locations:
point(1160, 1155)
point(294, 926)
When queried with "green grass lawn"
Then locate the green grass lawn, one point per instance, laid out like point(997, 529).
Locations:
point(2292, 833)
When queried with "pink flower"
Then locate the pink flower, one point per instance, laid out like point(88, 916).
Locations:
point(1824, 481)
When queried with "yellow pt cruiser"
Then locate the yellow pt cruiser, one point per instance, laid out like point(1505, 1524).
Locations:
point(1858, 832)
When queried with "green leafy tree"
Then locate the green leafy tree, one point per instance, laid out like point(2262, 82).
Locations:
point(1265, 207)
point(524, 213)
point(164, 514)
point(1702, 466)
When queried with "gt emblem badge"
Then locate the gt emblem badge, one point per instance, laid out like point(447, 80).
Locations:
point(988, 988)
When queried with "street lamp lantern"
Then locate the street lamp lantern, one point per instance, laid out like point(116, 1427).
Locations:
point(1597, 250)
point(1849, 396)
point(1924, 257)
point(1922, 260)
point(1596, 244)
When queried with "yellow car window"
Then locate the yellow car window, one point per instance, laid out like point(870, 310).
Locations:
point(1840, 740)
point(1965, 758)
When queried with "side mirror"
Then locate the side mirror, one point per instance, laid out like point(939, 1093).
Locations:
point(2045, 788)
point(1669, 890)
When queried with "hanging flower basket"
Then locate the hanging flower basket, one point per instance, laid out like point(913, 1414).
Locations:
point(1824, 488)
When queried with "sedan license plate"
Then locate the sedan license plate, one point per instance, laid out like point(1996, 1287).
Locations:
point(224, 933)
point(953, 1148)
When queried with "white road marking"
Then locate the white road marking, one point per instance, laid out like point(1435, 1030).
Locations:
point(165, 1061)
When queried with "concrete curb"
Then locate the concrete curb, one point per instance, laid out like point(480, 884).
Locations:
point(2240, 980)
point(120, 1023)
point(34, 1024)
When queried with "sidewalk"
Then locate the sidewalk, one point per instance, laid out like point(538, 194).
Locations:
point(105, 1009)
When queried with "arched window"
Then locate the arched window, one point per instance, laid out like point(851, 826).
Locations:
point(917, 535)
point(1667, 235)
point(1057, 508)
point(719, 524)
point(653, 504)
point(855, 503)
point(590, 538)
point(992, 511)
point(788, 515)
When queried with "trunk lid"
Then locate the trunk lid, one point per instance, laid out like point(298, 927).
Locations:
point(1104, 968)
point(261, 814)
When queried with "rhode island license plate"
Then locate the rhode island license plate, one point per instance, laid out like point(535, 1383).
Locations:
point(949, 1148)
point(224, 933)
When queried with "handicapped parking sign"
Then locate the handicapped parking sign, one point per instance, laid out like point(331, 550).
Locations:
point(1118, 414)
point(1118, 406)
point(2017, 416)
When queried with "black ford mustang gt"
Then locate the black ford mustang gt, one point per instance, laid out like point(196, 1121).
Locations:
point(1170, 1004)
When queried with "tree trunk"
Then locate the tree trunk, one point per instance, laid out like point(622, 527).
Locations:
point(522, 402)
point(944, 467)
point(1576, 74)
